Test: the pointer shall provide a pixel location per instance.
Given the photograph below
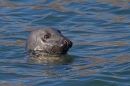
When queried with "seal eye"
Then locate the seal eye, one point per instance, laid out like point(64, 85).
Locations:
point(47, 36)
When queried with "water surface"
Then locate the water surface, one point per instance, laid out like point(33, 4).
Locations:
point(99, 30)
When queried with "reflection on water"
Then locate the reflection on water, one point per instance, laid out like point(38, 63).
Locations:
point(51, 59)
point(121, 3)
point(99, 30)
point(17, 43)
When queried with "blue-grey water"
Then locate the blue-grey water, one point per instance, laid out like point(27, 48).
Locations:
point(99, 30)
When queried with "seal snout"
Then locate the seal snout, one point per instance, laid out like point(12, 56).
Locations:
point(63, 48)
point(66, 44)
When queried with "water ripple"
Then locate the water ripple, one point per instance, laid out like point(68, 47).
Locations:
point(99, 30)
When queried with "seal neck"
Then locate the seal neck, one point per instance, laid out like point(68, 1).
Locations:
point(39, 53)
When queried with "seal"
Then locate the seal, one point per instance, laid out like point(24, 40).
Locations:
point(47, 41)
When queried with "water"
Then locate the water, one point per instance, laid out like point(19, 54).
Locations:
point(99, 30)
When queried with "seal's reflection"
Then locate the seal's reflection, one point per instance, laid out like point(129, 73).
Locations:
point(52, 66)
point(51, 59)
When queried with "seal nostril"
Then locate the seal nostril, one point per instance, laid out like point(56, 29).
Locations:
point(67, 44)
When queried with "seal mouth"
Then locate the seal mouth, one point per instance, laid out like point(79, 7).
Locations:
point(58, 50)
point(67, 44)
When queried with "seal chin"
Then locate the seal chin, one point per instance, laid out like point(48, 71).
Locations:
point(58, 50)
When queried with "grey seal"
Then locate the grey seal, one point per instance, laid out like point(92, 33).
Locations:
point(47, 41)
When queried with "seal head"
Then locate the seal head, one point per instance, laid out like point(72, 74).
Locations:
point(48, 41)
